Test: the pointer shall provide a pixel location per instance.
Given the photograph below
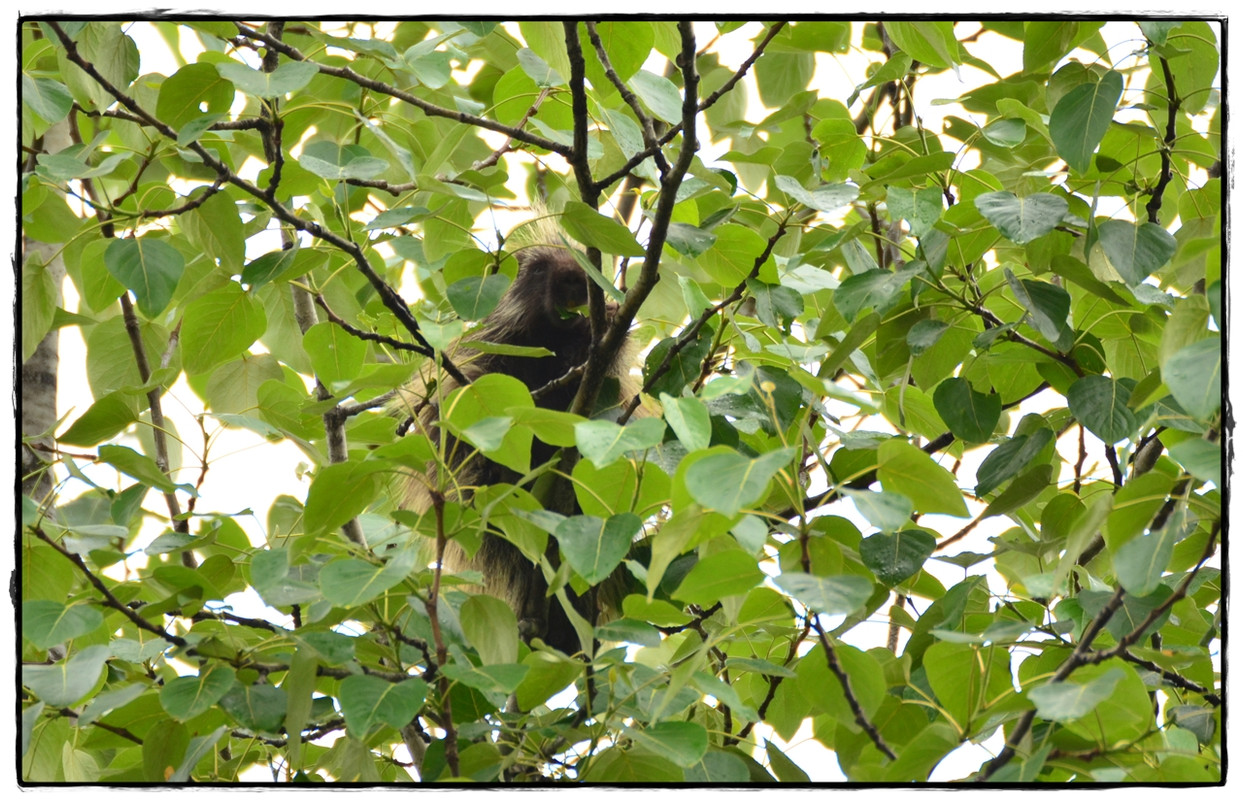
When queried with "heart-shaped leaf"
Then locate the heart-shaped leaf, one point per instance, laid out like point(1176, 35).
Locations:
point(1022, 219)
point(894, 557)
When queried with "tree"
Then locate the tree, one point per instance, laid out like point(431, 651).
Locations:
point(959, 385)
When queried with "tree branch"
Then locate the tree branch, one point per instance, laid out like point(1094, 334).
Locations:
point(430, 109)
point(388, 296)
point(843, 678)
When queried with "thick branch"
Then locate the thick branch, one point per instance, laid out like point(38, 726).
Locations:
point(673, 131)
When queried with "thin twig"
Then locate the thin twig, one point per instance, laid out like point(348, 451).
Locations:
point(691, 333)
point(671, 134)
point(109, 598)
point(430, 109)
point(835, 666)
point(388, 295)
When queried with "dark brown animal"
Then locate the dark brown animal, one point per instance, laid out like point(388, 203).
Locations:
point(544, 307)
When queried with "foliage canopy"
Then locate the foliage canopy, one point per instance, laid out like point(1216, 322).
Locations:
point(932, 445)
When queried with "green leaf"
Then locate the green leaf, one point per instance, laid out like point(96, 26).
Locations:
point(193, 130)
point(340, 162)
point(1022, 219)
point(547, 674)
point(603, 442)
point(495, 680)
point(683, 743)
point(970, 415)
point(290, 76)
point(47, 98)
point(1066, 701)
point(1009, 459)
point(335, 354)
point(1100, 405)
point(107, 416)
point(329, 647)
point(594, 546)
point(1197, 719)
point(1194, 377)
point(1006, 132)
point(590, 227)
point(1141, 561)
point(879, 289)
point(268, 267)
point(107, 701)
point(136, 465)
point(554, 427)
point(69, 680)
point(897, 556)
point(477, 296)
point(684, 367)
point(191, 90)
point(492, 395)
point(729, 572)
point(924, 334)
point(628, 43)
point(783, 75)
point(219, 326)
point(47, 622)
point(1200, 457)
point(40, 297)
point(720, 766)
point(838, 594)
point(186, 697)
point(150, 268)
point(257, 706)
point(885, 510)
point(822, 198)
point(1025, 488)
point(367, 701)
point(727, 481)
point(659, 94)
point(351, 582)
point(930, 41)
point(967, 680)
point(216, 228)
point(340, 492)
point(1080, 119)
point(783, 766)
point(688, 239)
point(1135, 250)
point(777, 306)
point(1048, 305)
point(491, 626)
point(689, 419)
point(732, 260)
point(197, 748)
point(921, 208)
point(1135, 504)
point(538, 69)
point(626, 765)
point(631, 631)
point(905, 469)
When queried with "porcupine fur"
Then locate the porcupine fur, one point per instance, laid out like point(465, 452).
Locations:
point(544, 307)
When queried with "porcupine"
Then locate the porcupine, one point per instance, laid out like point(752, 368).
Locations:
point(544, 307)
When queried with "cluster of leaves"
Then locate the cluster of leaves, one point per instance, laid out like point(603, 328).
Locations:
point(843, 308)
